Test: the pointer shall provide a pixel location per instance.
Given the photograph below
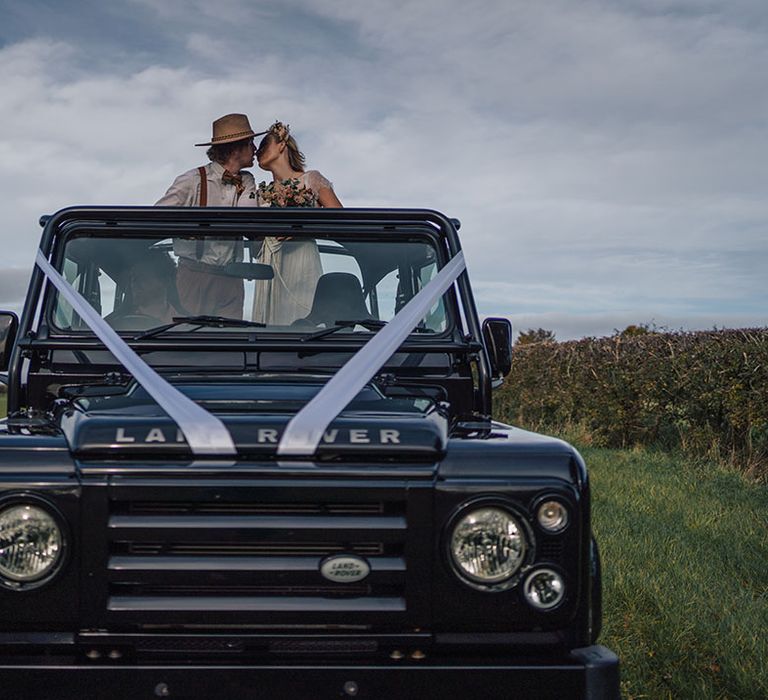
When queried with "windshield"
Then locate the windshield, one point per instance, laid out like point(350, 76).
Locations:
point(296, 284)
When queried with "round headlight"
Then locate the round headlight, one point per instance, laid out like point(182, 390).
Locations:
point(552, 516)
point(544, 589)
point(30, 543)
point(487, 546)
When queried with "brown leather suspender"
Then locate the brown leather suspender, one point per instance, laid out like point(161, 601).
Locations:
point(203, 186)
point(200, 245)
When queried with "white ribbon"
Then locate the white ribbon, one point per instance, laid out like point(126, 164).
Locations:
point(305, 430)
point(204, 432)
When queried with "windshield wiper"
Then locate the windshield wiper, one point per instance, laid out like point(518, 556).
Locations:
point(371, 324)
point(200, 322)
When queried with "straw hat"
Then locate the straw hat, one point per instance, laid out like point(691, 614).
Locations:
point(229, 128)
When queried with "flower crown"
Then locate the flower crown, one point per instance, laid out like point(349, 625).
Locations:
point(280, 131)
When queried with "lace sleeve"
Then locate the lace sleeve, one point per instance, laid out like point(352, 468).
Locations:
point(316, 181)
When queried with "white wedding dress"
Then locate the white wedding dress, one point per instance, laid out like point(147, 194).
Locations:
point(296, 264)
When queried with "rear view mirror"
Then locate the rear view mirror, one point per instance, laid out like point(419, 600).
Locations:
point(9, 324)
point(247, 270)
point(497, 335)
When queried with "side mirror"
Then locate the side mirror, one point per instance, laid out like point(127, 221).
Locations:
point(9, 325)
point(497, 335)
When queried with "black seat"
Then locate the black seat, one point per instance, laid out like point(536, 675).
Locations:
point(338, 297)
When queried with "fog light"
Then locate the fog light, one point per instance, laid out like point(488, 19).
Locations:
point(487, 546)
point(552, 516)
point(544, 589)
point(30, 543)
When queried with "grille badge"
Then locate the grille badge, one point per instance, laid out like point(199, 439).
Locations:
point(344, 568)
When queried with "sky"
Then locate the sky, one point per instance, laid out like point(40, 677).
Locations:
point(607, 159)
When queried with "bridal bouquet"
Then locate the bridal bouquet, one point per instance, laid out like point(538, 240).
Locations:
point(286, 193)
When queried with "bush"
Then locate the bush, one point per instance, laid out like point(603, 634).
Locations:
point(705, 392)
point(538, 335)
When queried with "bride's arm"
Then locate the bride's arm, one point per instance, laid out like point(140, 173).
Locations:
point(326, 197)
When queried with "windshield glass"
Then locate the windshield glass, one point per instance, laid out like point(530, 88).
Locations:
point(295, 284)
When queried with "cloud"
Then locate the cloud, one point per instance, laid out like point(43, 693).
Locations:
point(604, 158)
point(13, 287)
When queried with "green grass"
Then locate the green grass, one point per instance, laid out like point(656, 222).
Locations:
point(3, 403)
point(685, 574)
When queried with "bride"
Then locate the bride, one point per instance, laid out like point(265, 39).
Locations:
point(296, 263)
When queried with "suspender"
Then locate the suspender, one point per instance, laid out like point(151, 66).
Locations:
point(200, 243)
point(203, 186)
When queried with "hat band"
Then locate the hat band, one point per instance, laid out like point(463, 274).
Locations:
point(239, 134)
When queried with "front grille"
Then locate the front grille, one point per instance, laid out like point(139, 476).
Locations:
point(254, 560)
point(171, 507)
point(347, 591)
point(298, 549)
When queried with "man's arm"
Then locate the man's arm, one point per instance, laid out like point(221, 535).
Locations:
point(182, 193)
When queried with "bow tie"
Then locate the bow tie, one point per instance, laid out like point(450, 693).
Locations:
point(230, 179)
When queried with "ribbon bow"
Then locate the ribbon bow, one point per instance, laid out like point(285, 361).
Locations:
point(229, 178)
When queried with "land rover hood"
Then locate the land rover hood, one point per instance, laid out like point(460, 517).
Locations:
point(256, 416)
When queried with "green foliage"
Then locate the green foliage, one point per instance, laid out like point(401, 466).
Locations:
point(632, 329)
point(685, 574)
point(538, 335)
point(703, 392)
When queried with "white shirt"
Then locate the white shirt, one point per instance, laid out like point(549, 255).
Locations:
point(185, 192)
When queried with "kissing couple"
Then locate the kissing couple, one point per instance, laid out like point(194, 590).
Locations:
point(225, 182)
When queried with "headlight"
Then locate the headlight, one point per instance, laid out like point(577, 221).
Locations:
point(552, 516)
point(31, 543)
point(487, 546)
point(544, 589)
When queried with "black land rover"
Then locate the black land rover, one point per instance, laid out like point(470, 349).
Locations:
point(304, 498)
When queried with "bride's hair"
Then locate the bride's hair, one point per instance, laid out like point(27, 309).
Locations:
point(281, 132)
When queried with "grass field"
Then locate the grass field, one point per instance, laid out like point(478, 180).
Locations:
point(685, 564)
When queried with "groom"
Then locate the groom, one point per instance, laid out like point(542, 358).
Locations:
point(220, 183)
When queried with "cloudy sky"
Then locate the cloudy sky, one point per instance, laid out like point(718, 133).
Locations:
point(607, 159)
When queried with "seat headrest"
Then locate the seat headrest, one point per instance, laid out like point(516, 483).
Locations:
point(338, 296)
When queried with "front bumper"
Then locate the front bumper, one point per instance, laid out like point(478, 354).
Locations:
point(590, 672)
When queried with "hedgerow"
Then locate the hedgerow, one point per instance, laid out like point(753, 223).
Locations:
point(704, 392)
